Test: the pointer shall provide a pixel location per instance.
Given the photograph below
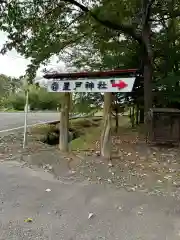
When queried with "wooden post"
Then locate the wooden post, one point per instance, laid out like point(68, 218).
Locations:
point(117, 113)
point(64, 123)
point(106, 131)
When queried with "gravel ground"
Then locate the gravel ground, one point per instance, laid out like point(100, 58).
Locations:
point(69, 198)
point(136, 167)
point(34, 205)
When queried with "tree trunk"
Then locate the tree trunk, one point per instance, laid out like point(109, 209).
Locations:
point(148, 56)
point(147, 83)
point(130, 113)
point(147, 89)
point(141, 115)
point(137, 114)
point(106, 131)
point(133, 116)
point(64, 123)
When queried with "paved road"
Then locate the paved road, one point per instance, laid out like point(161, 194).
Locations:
point(16, 120)
point(62, 214)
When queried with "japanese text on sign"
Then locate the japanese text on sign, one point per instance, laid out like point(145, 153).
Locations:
point(92, 85)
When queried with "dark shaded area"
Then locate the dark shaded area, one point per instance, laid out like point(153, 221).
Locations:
point(52, 138)
point(164, 126)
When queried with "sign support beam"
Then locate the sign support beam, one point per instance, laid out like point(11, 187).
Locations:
point(64, 123)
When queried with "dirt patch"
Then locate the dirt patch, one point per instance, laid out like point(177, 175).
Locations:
point(136, 166)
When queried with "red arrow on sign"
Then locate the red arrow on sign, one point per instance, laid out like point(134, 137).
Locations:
point(121, 84)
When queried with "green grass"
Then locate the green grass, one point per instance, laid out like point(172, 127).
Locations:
point(88, 129)
point(43, 129)
point(85, 128)
point(92, 134)
point(87, 140)
point(98, 114)
point(10, 110)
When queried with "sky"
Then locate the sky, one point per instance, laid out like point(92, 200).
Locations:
point(14, 65)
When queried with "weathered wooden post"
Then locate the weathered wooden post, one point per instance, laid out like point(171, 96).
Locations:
point(64, 123)
point(106, 131)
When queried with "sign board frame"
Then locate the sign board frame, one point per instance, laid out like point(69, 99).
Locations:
point(121, 80)
point(91, 85)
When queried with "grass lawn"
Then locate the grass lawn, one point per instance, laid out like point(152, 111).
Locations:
point(90, 137)
point(89, 130)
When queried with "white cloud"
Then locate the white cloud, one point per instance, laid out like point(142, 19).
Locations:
point(13, 64)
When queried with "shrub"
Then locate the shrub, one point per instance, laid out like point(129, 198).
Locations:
point(39, 99)
point(16, 102)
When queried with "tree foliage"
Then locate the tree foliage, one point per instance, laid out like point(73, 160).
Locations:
point(87, 102)
point(39, 99)
point(99, 34)
point(8, 85)
point(39, 29)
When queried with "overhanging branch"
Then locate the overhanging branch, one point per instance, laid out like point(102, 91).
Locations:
point(175, 14)
point(148, 10)
point(167, 15)
point(127, 30)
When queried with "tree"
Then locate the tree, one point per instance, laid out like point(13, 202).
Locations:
point(54, 27)
point(7, 85)
point(45, 20)
point(4, 85)
point(39, 99)
point(87, 102)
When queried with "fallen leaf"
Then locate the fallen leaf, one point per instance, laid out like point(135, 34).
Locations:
point(119, 208)
point(48, 190)
point(90, 215)
point(28, 220)
point(129, 154)
point(168, 177)
point(97, 153)
point(133, 189)
point(109, 180)
point(110, 164)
